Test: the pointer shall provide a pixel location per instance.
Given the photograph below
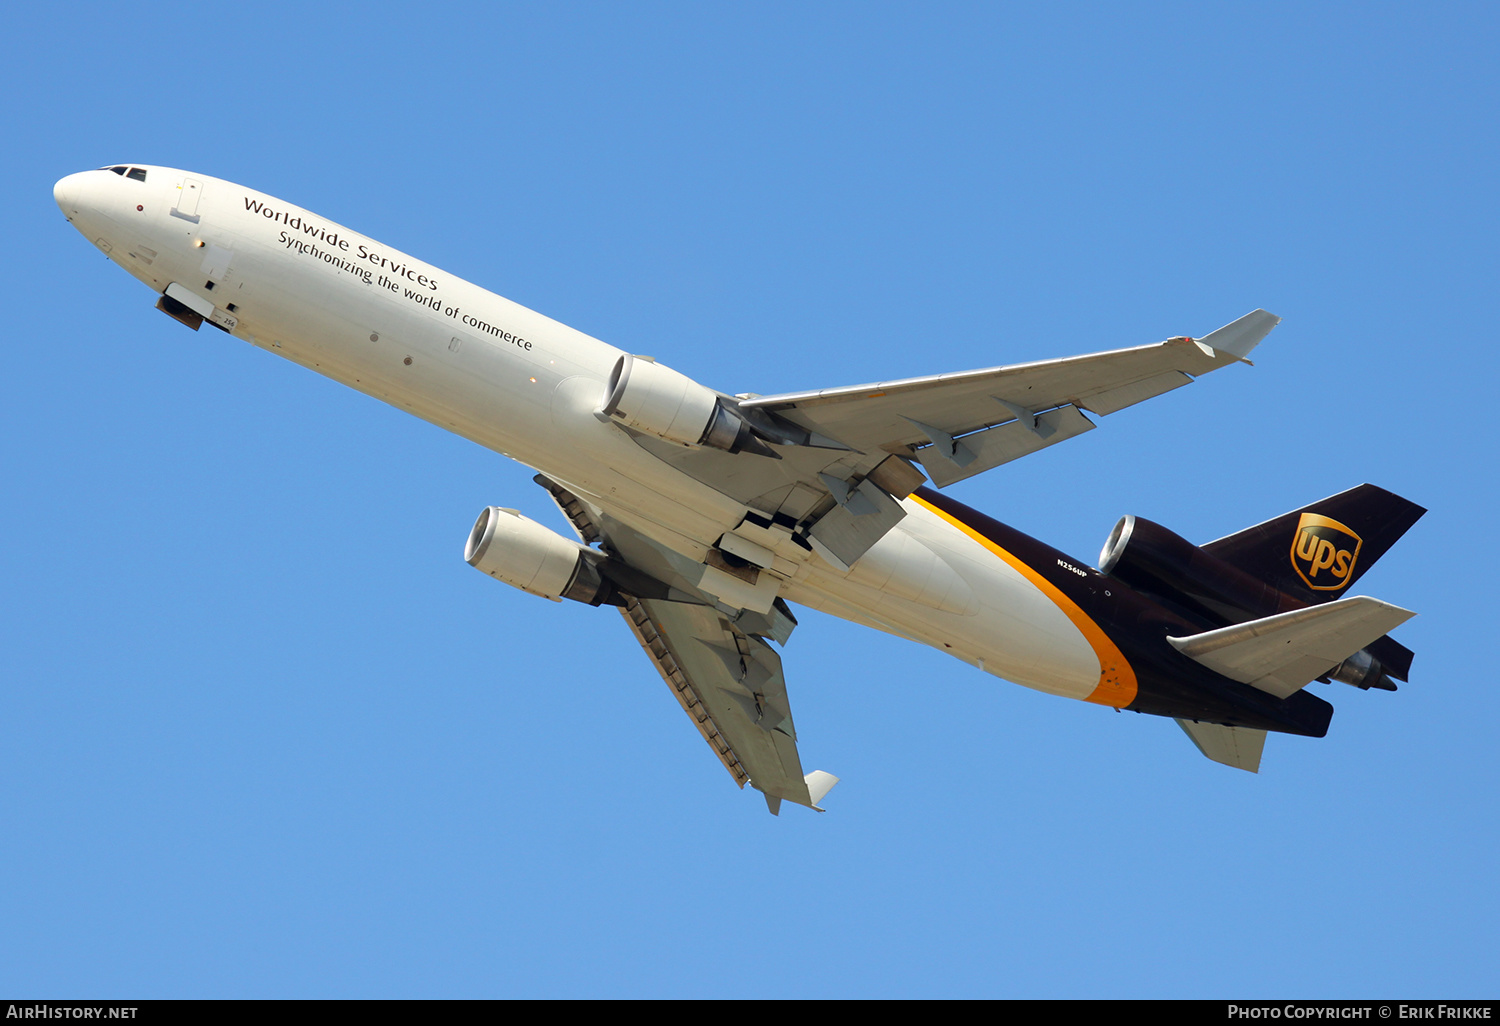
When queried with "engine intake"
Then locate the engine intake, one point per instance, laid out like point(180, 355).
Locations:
point(1150, 558)
point(646, 396)
point(524, 554)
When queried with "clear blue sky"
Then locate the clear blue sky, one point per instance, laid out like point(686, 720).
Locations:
point(263, 733)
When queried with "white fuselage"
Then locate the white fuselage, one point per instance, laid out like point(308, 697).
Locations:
point(526, 386)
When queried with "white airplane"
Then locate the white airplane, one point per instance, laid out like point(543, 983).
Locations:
point(702, 515)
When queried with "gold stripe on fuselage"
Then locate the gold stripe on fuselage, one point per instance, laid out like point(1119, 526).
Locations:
point(1117, 684)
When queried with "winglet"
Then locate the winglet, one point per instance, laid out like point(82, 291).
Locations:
point(819, 783)
point(1237, 338)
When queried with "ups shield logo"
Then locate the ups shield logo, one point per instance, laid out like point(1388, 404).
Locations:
point(1324, 552)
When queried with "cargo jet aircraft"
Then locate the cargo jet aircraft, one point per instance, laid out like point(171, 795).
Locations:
point(703, 516)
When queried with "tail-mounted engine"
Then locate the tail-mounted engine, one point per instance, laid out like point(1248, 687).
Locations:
point(1150, 558)
point(1159, 562)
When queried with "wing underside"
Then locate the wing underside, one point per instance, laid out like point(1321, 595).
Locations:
point(716, 662)
point(841, 461)
point(959, 425)
point(860, 447)
point(731, 686)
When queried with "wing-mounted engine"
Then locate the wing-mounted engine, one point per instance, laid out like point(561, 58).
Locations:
point(847, 455)
point(521, 552)
point(649, 397)
point(819, 493)
point(524, 554)
point(717, 661)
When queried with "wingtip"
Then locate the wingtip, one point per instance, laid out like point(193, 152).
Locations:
point(1239, 337)
point(819, 783)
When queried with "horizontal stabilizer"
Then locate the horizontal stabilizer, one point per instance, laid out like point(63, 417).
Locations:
point(1281, 654)
point(1239, 747)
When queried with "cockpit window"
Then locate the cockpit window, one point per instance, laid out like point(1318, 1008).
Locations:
point(117, 170)
point(138, 173)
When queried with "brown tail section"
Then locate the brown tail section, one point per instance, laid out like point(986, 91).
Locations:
point(1317, 552)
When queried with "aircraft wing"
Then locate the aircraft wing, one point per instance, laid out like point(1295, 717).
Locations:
point(958, 425)
point(844, 457)
point(718, 665)
point(731, 686)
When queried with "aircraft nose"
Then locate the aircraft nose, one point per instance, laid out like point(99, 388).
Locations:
point(65, 192)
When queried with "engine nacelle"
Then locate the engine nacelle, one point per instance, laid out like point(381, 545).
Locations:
point(526, 555)
point(1151, 558)
point(1364, 671)
point(653, 398)
point(646, 396)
